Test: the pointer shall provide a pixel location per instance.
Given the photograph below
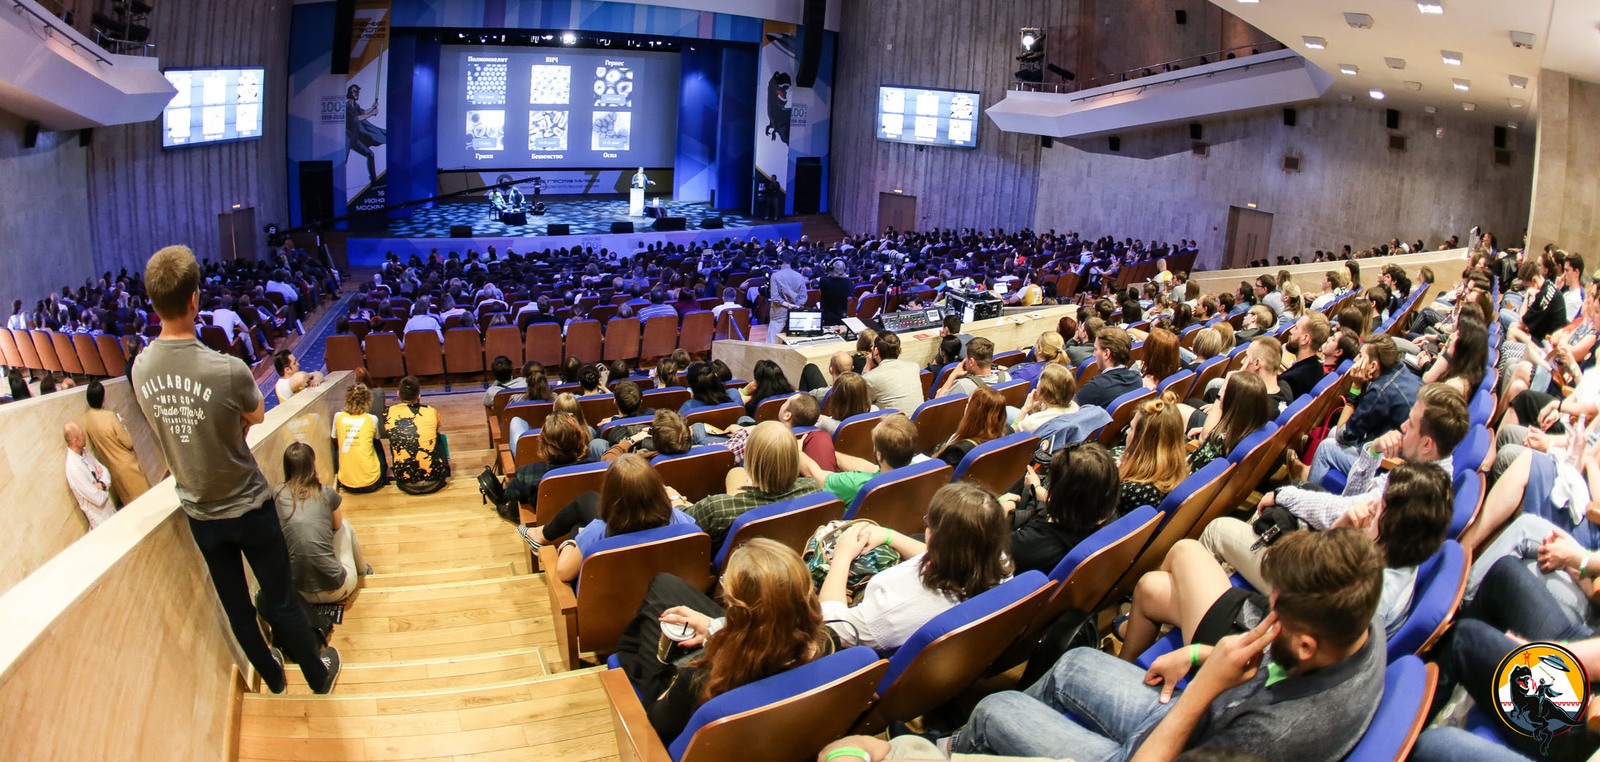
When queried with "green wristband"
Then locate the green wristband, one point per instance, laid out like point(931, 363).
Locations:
point(848, 751)
point(888, 539)
point(1194, 656)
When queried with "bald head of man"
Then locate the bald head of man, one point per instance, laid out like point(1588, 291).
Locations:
point(74, 435)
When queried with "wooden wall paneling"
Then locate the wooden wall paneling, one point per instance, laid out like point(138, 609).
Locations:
point(125, 615)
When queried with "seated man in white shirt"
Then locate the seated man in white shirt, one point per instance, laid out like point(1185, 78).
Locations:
point(423, 319)
point(90, 481)
point(229, 321)
point(292, 380)
point(450, 308)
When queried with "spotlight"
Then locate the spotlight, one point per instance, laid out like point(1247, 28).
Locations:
point(1031, 36)
point(568, 38)
point(1064, 74)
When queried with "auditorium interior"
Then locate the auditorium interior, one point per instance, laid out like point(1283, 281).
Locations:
point(1240, 353)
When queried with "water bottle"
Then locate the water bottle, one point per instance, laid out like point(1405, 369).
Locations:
point(1366, 466)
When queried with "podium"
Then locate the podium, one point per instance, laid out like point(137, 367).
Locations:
point(635, 202)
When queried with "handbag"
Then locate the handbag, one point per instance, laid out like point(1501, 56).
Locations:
point(490, 488)
point(818, 556)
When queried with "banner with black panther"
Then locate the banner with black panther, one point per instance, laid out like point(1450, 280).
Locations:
point(792, 125)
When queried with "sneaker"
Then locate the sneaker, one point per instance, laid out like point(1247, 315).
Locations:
point(526, 532)
point(282, 683)
point(367, 572)
point(330, 659)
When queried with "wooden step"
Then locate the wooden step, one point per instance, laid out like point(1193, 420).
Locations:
point(433, 674)
point(458, 574)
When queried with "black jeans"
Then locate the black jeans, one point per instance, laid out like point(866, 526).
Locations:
point(1512, 598)
point(257, 537)
point(1469, 656)
point(573, 516)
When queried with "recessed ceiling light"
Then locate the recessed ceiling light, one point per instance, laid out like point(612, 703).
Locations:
point(1376, 95)
point(1249, 2)
point(1461, 84)
point(1451, 57)
point(1431, 109)
point(1515, 102)
point(1520, 83)
point(1358, 20)
point(1513, 125)
point(1413, 85)
point(1350, 69)
point(1348, 97)
point(1395, 63)
point(1469, 106)
point(1430, 7)
point(1522, 40)
point(1315, 43)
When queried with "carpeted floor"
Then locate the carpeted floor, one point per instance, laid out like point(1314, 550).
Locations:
point(585, 216)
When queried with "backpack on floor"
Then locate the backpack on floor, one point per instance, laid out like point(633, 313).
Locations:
point(490, 488)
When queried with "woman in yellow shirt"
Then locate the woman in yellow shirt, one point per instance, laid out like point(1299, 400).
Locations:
point(355, 434)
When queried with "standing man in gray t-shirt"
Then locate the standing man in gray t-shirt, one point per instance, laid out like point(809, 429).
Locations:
point(200, 403)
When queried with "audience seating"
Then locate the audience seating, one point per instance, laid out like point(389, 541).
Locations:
point(89, 355)
point(1010, 359)
point(1180, 384)
point(788, 717)
point(584, 340)
point(1122, 411)
point(769, 408)
point(1253, 457)
point(1469, 495)
point(791, 522)
point(591, 615)
point(997, 464)
point(544, 345)
point(953, 649)
point(721, 416)
point(384, 359)
point(734, 323)
point(343, 352)
point(463, 351)
point(658, 337)
point(8, 350)
point(1179, 511)
point(694, 336)
point(854, 435)
point(621, 339)
point(597, 407)
point(1014, 392)
point(668, 398)
point(424, 354)
point(899, 499)
point(697, 473)
point(47, 351)
point(1470, 454)
point(1408, 687)
point(937, 421)
point(561, 486)
point(1441, 581)
point(1087, 370)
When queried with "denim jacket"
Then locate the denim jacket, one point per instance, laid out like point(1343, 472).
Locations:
point(1382, 407)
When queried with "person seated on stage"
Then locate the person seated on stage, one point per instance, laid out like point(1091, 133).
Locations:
point(894, 444)
point(1326, 665)
point(965, 553)
point(1387, 390)
point(771, 622)
point(423, 319)
point(323, 551)
point(657, 306)
point(1113, 350)
point(292, 380)
point(497, 201)
point(771, 473)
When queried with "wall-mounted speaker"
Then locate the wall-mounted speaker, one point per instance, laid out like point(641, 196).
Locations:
point(1200, 149)
point(1045, 141)
point(85, 137)
point(1499, 136)
point(558, 228)
point(1290, 117)
point(1291, 163)
point(1195, 131)
point(460, 231)
point(1391, 118)
point(1114, 143)
point(814, 15)
point(1182, 16)
point(622, 227)
point(1397, 143)
point(30, 135)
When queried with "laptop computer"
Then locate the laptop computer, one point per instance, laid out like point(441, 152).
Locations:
point(804, 324)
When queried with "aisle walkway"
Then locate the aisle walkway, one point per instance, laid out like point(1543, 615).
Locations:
point(449, 652)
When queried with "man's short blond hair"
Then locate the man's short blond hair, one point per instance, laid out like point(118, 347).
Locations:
point(171, 278)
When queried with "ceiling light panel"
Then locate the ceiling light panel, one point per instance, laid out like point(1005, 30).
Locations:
point(1430, 7)
point(1395, 63)
point(1349, 69)
point(1358, 20)
point(1376, 94)
point(1451, 57)
point(1461, 84)
point(1315, 43)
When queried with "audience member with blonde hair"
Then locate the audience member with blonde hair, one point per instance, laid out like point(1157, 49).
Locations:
point(323, 552)
point(1052, 396)
point(1155, 459)
point(771, 473)
point(768, 621)
point(355, 433)
point(965, 552)
point(1208, 342)
point(1049, 349)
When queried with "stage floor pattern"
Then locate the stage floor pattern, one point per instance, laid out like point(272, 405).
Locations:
point(585, 216)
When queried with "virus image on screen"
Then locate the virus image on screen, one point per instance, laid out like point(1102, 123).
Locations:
point(547, 130)
point(486, 84)
point(486, 130)
point(613, 86)
point(611, 130)
point(552, 84)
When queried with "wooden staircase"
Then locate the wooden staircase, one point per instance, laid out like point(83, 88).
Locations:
point(448, 649)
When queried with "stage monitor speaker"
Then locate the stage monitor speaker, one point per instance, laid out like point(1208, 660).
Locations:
point(30, 135)
point(344, 17)
point(1499, 136)
point(622, 227)
point(814, 16)
point(1045, 141)
point(558, 228)
point(711, 223)
point(1195, 131)
point(1289, 117)
point(1183, 16)
point(460, 231)
point(671, 223)
point(1391, 118)
point(316, 191)
point(1114, 143)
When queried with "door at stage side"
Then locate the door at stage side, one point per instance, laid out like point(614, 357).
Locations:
point(1249, 236)
point(898, 211)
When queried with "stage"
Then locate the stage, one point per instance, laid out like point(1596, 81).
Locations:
point(589, 220)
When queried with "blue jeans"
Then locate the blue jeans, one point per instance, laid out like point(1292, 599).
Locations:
point(1332, 456)
point(1091, 703)
point(1448, 744)
point(519, 426)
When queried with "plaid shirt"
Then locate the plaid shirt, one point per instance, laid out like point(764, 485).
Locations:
point(716, 513)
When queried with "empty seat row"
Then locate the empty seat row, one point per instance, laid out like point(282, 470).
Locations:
point(78, 354)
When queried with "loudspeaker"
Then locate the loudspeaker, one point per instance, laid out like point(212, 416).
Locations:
point(711, 223)
point(1045, 141)
point(344, 18)
point(1183, 16)
point(1397, 143)
point(1499, 137)
point(805, 70)
point(1195, 131)
point(622, 227)
point(316, 191)
point(460, 231)
point(30, 135)
point(671, 223)
point(1391, 118)
point(85, 137)
point(1289, 117)
point(1115, 143)
point(558, 228)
